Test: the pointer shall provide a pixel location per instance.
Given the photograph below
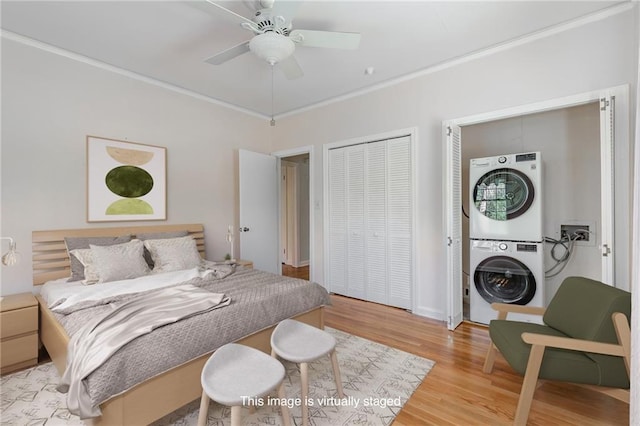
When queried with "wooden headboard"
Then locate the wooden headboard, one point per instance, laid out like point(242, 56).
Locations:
point(50, 257)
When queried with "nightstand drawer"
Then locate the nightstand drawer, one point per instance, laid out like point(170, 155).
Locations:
point(18, 321)
point(19, 349)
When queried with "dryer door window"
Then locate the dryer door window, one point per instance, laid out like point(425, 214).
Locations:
point(503, 194)
point(503, 279)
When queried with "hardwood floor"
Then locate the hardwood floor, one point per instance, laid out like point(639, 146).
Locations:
point(456, 391)
point(291, 271)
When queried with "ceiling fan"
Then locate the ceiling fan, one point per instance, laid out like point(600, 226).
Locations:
point(274, 39)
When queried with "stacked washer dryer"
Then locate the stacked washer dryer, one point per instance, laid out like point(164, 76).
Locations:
point(505, 229)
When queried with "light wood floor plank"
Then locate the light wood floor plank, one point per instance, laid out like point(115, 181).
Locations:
point(456, 391)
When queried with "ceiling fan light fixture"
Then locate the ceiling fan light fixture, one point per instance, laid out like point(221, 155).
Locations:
point(272, 47)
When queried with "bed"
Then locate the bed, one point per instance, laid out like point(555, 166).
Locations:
point(169, 390)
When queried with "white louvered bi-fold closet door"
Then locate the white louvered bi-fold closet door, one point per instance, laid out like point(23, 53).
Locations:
point(355, 255)
point(400, 222)
point(376, 216)
point(370, 223)
point(337, 273)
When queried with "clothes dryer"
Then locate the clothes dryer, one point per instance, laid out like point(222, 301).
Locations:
point(505, 272)
point(506, 197)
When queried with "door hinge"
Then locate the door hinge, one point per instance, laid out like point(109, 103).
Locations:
point(604, 104)
point(606, 250)
point(449, 130)
point(449, 241)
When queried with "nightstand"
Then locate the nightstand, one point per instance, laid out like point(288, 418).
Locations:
point(18, 332)
point(246, 263)
point(238, 262)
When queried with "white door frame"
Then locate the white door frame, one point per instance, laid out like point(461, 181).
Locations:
point(621, 93)
point(289, 227)
point(290, 153)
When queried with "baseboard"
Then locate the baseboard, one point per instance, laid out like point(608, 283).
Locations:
point(429, 313)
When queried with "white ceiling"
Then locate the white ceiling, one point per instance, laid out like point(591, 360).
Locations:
point(168, 41)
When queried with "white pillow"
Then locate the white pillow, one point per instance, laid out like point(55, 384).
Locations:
point(173, 254)
point(120, 261)
point(90, 271)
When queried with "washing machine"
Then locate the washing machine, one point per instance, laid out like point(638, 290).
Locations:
point(505, 272)
point(505, 197)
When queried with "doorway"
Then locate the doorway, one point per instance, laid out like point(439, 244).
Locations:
point(568, 141)
point(302, 241)
point(294, 215)
point(610, 124)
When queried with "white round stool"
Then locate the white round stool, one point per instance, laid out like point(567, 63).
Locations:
point(237, 375)
point(301, 343)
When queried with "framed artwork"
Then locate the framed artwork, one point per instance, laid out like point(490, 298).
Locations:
point(125, 181)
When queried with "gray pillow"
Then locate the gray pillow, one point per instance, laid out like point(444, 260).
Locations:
point(158, 236)
point(119, 262)
point(173, 254)
point(74, 243)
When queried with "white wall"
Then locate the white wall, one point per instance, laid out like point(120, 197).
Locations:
point(303, 211)
point(569, 142)
point(49, 105)
point(595, 56)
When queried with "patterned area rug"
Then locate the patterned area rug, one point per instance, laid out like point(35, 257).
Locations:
point(377, 382)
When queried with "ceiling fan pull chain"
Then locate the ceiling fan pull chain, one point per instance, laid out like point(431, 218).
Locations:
point(273, 121)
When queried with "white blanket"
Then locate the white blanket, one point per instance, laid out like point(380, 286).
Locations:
point(61, 295)
point(92, 345)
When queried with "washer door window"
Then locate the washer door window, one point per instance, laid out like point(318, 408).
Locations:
point(503, 194)
point(503, 279)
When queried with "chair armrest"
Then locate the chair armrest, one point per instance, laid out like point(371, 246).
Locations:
point(573, 344)
point(505, 308)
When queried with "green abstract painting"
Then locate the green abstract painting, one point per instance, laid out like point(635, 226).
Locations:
point(125, 181)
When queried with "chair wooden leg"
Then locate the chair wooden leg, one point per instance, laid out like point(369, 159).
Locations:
point(204, 409)
point(236, 415)
point(489, 359)
point(336, 373)
point(284, 409)
point(304, 378)
point(529, 385)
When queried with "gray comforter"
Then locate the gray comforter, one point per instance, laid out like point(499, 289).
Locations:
point(258, 300)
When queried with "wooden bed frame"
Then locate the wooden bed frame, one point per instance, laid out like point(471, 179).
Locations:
point(162, 394)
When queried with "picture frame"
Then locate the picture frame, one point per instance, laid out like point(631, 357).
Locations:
point(126, 181)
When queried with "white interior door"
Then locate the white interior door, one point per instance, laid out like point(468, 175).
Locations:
point(258, 185)
point(453, 194)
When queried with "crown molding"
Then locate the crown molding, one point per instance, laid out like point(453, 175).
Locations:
point(8, 35)
point(481, 53)
point(500, 47)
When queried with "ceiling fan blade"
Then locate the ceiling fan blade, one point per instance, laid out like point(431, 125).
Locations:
point(290, 68)
point(286, 9)
point(228, 54)
point(226, 13)
point(331, 39)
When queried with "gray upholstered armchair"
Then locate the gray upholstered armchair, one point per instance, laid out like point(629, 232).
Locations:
point(585, 339)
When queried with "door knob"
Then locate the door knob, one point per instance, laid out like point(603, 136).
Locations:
point(244, 229)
